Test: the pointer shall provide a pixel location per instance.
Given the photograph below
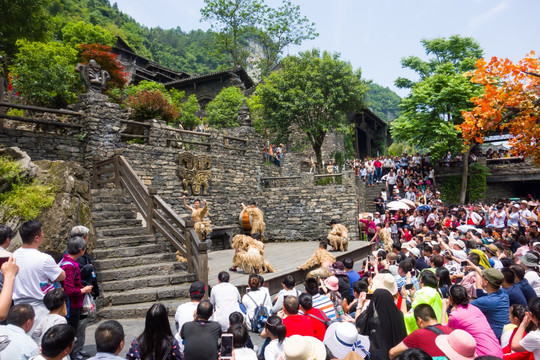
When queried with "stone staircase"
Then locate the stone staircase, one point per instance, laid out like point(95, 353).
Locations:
point(371, 193)
point(134, 269)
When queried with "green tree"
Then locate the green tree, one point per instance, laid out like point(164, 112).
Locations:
point(233, 19)
point(188, 112)
point(383, 102)
point(433, 108)
point(282, 27)
point(45, 72)
point(310, 95)
point(84, 33)
point(223, 110)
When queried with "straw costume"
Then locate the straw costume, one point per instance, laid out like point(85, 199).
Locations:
point(249, 255)
point(338, 237)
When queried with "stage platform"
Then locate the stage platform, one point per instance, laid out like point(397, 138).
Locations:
point(284, 256)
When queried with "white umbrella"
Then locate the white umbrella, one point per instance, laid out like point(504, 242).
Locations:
point(465, 228)
point(411, 204)
point(397, 205)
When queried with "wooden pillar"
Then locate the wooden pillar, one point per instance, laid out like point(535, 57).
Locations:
point(95, 176)
point(202, 256)
point(150, 210)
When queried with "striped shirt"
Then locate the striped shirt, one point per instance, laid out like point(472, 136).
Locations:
point(324, 303)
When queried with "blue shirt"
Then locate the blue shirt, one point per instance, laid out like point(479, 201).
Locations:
point(402, 281)
point(495, 307)
point(19, 345)
point(516, 295)
point(527, 289)
point(353, 277)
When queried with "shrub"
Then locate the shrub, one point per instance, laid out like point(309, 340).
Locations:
point(152, 104)
point(223, 110)
point(45, 72)
point(188, 110)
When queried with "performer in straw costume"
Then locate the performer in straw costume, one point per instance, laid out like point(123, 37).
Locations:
point(338, 236)
point(322, 258)
point(249, 255)
point(202, 227)
point(258, 226)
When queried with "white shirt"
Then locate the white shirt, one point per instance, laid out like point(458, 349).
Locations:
point(260, 297)
point(185, 313)
point(531, 342)
point(20, 347)
point(225, 298)
point(498, 222)
point(245, 354)
point(513, 219)
point(274, 350)
point(524, 214)
point(534, 280)
point(281, 294)
point(45, 324)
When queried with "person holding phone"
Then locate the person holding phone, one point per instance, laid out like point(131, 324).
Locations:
point(201, 335)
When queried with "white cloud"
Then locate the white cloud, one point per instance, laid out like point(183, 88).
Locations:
point(480, 20)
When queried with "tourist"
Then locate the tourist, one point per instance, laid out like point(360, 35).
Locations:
point(57, 343)
point(515, 295)
point(253, 298)
point(428, 294)
point(201, 335)
point(530, 261)
point(109, 337)
point(56, 302)
point(424, 337)
point(275, 331)
point(9, 271)
point(342, 337)
point(226, 299)
point(531, 341)
point(37, 270)
point(299, 347)
point(17, 345)
point(516, 315)
point(240, 338)
point(296, 324)
point(318, 317)
point(156, 341)
point(383, 323)
point(5, 239)
point(319, 301)
point(72, 283)
point(288, 285)
point(523, 283)
point(353, 276)
point(185, 312)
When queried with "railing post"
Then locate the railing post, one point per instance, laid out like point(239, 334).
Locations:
point(150, 210)
point(202, 256)
point(189, 246)
point(116, 156)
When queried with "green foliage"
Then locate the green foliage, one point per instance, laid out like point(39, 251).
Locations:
point(329, 180)
point(383, 102)
point(380, 144)
point(188, 112)
point(477, 184)
point(23, 19)
point(310, 95)
point(75, 33)
point(339, 158)
point(223, 110)
point(15, 112)
point(398, 148)
point(433, 108)
point(45, 72)
point(21, 198)
point(450, 189)
point(348, 140)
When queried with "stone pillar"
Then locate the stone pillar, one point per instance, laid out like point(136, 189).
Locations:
point(101, 121)
point(308, 180)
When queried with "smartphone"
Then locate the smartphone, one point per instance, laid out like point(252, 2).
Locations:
point(409, 286)
point(3, 260)
point(368, 296)
point(464, 263)
point(226, 346)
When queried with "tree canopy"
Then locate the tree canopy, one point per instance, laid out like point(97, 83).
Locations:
point(509, 103)
point(310, 95)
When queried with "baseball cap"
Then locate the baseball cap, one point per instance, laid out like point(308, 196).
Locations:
point(493, 276)
point(197, 288)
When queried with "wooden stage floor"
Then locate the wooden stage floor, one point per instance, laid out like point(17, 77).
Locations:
point(285, 257)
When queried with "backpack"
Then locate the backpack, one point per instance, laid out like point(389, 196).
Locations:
point(324, 319)
point(260, 314)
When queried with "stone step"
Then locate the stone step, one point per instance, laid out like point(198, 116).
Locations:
point(108, 192)
point(102, 207)
point(120, 231)
point(152, 294)
point(141, 270)
point(105, 198)
point(119, 263)
point(124, 252)
point(132, 240)
point(110, 215)
point(139, 310)
point(127, 284)
point(112, 223)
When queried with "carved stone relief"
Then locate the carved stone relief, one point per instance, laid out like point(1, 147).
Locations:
point(195, 171)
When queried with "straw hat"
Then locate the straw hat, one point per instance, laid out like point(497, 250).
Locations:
point(297, 347)
point(458, 345)
point(385, 281)
point(342, 338)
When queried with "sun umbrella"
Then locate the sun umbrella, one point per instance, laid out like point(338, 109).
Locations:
point(465, 228)
point(397, 205)
point(411, 204)
point(424, 208)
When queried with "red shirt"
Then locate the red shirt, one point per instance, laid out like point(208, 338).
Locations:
point(318, 326)
point(425, 339)
point(298, 325)
point(377, 164)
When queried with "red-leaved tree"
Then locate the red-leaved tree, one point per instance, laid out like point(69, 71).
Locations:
point(107, 60)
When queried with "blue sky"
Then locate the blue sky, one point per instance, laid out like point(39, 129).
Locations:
point(375, 34)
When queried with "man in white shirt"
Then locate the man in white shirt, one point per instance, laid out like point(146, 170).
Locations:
point(513, 216)
point(37, 270)
point(498, 217)
point(525, 215)
point(186, 312)
point(20, 346)
point(226, 299)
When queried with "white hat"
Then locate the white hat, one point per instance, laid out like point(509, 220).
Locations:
point(415, 252)
point(297, 347)
point(460, 243)
point(342, 338)
point(385, 281)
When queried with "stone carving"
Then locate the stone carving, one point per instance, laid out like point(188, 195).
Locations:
point(94, 78)
point(244, 118)
point(195, 172)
